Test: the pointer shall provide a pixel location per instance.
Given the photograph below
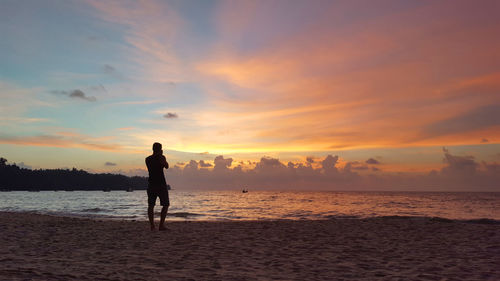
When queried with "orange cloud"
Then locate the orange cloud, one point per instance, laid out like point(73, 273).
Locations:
point(60, 140)
point(383, 84)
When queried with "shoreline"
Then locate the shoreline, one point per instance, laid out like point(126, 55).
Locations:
point(46, 247)
point(178, 218)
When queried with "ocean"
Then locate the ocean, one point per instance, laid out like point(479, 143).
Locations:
point(257, 205)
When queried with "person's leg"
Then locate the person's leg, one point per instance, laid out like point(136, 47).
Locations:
point(151, 206)
point(151, 216)
point(165, 202)
point(164, 210)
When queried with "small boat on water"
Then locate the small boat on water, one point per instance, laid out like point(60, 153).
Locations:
point(130, 189)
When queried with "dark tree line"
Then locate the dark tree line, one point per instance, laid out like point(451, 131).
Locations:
point(13, 177)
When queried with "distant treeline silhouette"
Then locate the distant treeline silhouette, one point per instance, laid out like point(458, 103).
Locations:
point(13, 177)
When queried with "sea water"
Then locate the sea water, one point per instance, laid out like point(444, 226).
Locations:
point(257, 205)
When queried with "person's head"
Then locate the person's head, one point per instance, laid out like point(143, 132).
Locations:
point(157, 148)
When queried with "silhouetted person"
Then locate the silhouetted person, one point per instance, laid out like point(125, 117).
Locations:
point(157, 186)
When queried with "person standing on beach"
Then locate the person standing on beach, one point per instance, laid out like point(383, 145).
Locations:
point(157, 186)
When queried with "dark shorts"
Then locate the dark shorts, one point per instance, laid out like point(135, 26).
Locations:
point(161, 192)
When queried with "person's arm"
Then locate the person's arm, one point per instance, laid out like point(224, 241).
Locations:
point(164, 162)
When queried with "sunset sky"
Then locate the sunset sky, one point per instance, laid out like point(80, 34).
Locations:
point(381, 86)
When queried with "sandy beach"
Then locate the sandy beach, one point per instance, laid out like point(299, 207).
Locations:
point(41, 247)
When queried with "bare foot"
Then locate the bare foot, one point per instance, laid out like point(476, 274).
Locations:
point(152, 227)
point(162, 228)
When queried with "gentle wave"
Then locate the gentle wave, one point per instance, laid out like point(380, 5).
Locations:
point(445, 220)
point(330, 217)
point(183, 215)
point(94, 210)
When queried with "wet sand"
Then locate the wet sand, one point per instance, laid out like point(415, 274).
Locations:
point(40, 247)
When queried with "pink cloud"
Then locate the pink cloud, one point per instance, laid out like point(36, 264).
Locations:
point(380, 84)
point(458, 173)
point(151, 30)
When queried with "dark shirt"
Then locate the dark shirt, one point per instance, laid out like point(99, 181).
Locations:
point(155, 164)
